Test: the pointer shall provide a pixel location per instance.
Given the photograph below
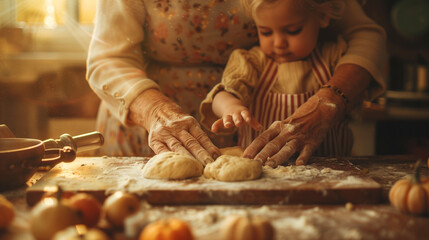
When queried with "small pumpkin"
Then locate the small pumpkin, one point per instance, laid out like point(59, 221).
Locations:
point(50, 216)
point(7, 212)
point(81, 232)
point(119, 206)
point(170, 229)
point(411, 195)
point(247, 228)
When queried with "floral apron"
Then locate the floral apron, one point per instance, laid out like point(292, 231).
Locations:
point(268, 107)
point(188, 86)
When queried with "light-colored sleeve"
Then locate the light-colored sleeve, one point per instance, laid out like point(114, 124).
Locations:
point(366, 45)
point(239, 78)
point(115, 65)
point(333, 51)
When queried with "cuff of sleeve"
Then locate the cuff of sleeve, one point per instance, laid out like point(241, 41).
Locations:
point(131, 94)
point(207, 115)
point(378, 86)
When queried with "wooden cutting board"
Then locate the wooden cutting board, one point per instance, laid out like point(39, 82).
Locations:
point(323, 181)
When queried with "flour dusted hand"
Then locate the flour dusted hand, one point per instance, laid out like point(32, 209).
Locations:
point(182, 135)
point(170, 128)
point(302, 132)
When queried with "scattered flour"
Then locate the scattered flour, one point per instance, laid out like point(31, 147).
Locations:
point(292, 176)
point(303, 173)
point(290, 222)
point(125, 174)
point(351, 181)
point(300, 226)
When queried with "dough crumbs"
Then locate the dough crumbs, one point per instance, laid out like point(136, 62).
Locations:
point(350, 206)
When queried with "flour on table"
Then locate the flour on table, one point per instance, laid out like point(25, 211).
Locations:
point(306, 172)
point(309, 222)
point(351, 181)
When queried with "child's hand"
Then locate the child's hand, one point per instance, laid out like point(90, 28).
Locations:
point(236, 116)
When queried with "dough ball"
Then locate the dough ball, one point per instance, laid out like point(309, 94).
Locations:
point(171, 165)
point(232, 168)
point(233, 151)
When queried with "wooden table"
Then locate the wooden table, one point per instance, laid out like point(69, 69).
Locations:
point(293, 221)
point(321, 181)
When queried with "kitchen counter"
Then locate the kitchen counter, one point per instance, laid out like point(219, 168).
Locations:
point(296, 221)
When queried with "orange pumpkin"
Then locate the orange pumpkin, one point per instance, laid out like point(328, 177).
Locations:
point(7, 212)
point(411, 195)
point(119, 206)
point(247, 228)
point(171, 229)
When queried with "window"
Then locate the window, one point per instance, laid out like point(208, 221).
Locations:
point(50, 25)
point(53, 13)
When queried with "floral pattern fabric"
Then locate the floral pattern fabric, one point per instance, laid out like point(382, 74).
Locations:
point(186, 45)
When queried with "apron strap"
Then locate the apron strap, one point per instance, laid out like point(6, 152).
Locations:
point(262, 88)
point(320, 69)
point(268, 107)
point(257, 108)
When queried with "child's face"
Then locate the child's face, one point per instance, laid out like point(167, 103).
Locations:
point(287, 30)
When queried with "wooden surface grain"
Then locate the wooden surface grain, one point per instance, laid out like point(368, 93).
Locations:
point(322, 181)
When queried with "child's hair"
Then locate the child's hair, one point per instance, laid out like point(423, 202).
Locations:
point(331, 8)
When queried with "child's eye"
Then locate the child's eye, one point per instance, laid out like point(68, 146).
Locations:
point(265, 33)
point(294, 31)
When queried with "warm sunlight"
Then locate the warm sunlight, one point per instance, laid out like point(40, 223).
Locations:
point(51, 13)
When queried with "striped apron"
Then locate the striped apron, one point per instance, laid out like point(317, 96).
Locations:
point(268, 107)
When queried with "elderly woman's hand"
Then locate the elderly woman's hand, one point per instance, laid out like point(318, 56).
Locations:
point(170, 128)
point(302, 132)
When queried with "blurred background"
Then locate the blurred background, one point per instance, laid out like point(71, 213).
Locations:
point(43, 91)
point(43, 49)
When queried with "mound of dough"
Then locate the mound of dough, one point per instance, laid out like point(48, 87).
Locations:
point(233, 151)
point(232, 168)
point(171, 165)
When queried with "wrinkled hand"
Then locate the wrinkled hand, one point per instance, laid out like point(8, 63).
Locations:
point(182, 135)
point(170, 129)
point(235, 115)
point(302, 132)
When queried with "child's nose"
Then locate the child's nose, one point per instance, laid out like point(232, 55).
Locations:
point(280, 42)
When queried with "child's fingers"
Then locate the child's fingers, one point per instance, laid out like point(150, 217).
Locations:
point(227, 121)
point(251, 120)
point(246, 116)
point(238, 119)
point(217, 125)
point(255, 124)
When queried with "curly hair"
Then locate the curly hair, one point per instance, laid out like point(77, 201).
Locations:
point(331, 8)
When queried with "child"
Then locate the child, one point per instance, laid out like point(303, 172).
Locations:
point(269, 82)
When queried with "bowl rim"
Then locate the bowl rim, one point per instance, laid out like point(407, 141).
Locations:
point(32, 144)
